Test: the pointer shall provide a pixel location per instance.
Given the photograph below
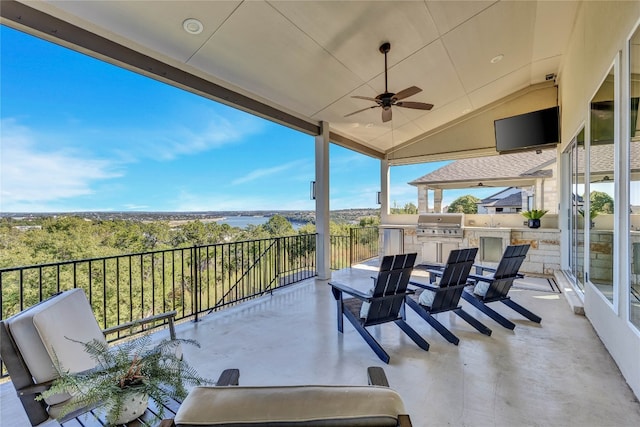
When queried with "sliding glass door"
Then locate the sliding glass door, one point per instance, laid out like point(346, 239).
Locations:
point(634, 180)
point(576, 220)
point(601, 186)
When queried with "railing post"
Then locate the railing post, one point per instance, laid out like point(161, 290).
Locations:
point(194, 280)
point(279, 262)
point(352, 231)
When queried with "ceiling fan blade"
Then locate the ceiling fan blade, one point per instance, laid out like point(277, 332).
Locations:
point(360, 111)
point(366, 98)
point(386, 115)
point(410, 91)
point(415, 105)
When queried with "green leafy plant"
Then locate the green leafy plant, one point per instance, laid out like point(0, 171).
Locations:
point(593, 212)
point(132, 368)
point(534, 213)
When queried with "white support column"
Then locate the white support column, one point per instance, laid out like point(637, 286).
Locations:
point(323, 243)
point(524, 193)
point(384, 191)
point(539, 195)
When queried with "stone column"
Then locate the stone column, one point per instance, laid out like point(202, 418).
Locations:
point(423, 199)
point(437, 200)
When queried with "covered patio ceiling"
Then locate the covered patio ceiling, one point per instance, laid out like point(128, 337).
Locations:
point(300, 63)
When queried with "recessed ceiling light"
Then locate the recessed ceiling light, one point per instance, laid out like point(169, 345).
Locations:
point(355, 125)
point(497, 58)
point(369, 125)
point(192, 26)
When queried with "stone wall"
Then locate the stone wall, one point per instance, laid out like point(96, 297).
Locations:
point(544, 250)
point(544, 253)
point(543, 257)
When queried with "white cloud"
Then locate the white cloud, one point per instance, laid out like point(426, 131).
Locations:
point(171, 142)
point(132, 207)
point(32, 178)
point(265, 172)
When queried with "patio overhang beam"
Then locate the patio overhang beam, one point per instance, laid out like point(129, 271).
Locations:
point(40, 24)
point(486, 183)
point(355, 146)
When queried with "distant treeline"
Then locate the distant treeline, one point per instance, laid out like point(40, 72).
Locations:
point(44, 239)
point(352, 216)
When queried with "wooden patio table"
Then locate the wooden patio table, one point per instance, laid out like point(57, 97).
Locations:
point(96, 418)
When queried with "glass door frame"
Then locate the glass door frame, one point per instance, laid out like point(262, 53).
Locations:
point(570, 158)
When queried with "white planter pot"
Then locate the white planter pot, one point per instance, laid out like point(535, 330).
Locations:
point(133, 406)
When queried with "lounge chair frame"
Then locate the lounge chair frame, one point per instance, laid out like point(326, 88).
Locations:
point(453, 280)
point(27, 389)
point(386, 302)
point(500, 281)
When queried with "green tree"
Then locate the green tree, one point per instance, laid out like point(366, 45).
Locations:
point(308, 228)
point(191, 233)
point(155, 235)
point(601, 202)
point(278, 226)
point(464, 204)
point(370, 221)
point(409, 208)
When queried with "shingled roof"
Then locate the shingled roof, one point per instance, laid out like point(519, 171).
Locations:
point(514, 166)
point(514, 199)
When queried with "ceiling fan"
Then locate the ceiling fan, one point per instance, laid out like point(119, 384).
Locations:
point(387, 99)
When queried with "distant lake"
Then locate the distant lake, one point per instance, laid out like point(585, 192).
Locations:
point(244, 221)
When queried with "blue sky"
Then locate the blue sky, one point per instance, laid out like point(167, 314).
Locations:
point(82, 135)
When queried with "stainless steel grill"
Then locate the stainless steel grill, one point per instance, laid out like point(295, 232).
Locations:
point(441, 225)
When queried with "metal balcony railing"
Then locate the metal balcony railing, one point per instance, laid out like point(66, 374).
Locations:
point(361, 244)
point(192, 280)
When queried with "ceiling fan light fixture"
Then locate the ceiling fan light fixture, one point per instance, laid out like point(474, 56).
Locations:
point(497, 58)
point(387, 100)
point(192, 26)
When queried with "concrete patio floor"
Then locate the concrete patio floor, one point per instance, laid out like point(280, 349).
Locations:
point(557, 373)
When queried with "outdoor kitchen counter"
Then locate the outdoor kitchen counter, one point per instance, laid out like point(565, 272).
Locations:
point(544, 250)
point(523, 228)
point(543, 256)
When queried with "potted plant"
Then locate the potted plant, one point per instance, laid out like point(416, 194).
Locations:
point(533, 216)
point(593, 212)
point(126, 377)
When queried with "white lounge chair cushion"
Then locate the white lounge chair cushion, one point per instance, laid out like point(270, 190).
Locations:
point(481, 288)
point(291, 406)
point(427, 295)
point(41, 334)
point(364, 310)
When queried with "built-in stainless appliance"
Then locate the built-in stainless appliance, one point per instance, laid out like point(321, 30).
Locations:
point(446, 225)
point(438, 235)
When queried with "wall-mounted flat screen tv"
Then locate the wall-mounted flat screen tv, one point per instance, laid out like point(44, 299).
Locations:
point(527, 131)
